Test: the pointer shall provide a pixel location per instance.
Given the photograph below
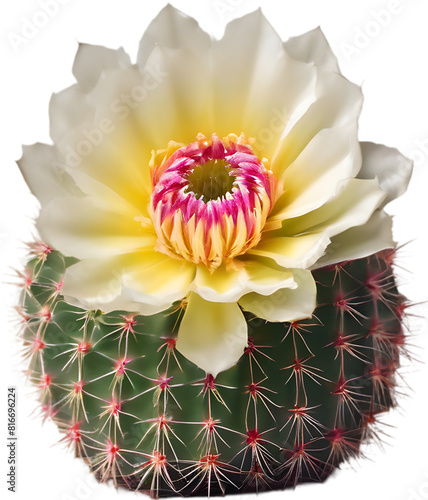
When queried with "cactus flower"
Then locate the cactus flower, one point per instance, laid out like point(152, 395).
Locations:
point(213, 173)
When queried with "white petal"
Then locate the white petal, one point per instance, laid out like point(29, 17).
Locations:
point(222, 285)
point(293, 251)
point(177, 107)
point(258, 88)
point(70, 110)
point(92, 60)
point(156, 279)
point(97, 284)
point(147, 282)
point(317, 174)
point(360, 241)
point(212, 335)
point(119, 160)
point(227, 285)
point(387, 164)
point(266, 277)
point(353, 207)
point(167, 100)
point(338, 103)
point(78, 227)
point(175, 30)
point(44, 173)
point(313, 47)
point(96, 132)
point(105, 194)
point(285, 304)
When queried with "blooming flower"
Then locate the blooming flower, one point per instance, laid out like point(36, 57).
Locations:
point(217, 173)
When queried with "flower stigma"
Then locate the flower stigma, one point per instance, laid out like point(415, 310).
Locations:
point(211, 181)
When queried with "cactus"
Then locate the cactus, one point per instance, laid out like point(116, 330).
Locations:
point(302, 399)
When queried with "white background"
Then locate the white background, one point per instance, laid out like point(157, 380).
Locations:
point(391, 64)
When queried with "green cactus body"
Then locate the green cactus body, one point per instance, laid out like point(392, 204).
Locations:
point(301, 400)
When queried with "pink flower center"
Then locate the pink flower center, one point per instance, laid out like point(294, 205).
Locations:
point(210, 200)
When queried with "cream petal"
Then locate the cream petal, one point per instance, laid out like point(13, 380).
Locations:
point(108, 145)
point(101, 134)
point(167, 100)
point(69, 110)
point(92, 60)
point(93, 136)
point(258, 88)
point(45, 175)
point(387, 164)
point(313, 47)
point(156, 279)
point(80, 228)
point(338, 103)
point(106, 198)
point(265, 277)
point(228, 285)
point(111, 97)
point(121, 163)
point(317, 174)
point(298, 252)
point(222, 285)
point(175, 30)
point(97, 284)
point(146, 282)
point(286, 304)
point(302, 241)
point(178, 100)
point(360, 241)
point(353, 207)
point(212, 335)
